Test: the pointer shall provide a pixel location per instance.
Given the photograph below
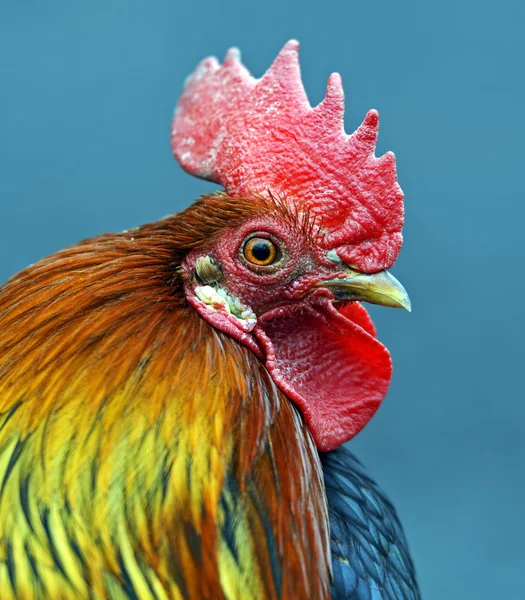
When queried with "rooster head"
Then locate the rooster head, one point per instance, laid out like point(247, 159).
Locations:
point(313, 222)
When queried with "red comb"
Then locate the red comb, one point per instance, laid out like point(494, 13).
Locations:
point(258, 135)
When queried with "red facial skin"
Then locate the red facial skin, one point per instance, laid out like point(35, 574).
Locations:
point(326, 360)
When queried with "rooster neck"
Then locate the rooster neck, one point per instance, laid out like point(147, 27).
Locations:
point(150, 448)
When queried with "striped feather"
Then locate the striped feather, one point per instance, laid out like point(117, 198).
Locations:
point(143, 454)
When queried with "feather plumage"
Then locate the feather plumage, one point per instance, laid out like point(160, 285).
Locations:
point(370, 557)
point(142, 453)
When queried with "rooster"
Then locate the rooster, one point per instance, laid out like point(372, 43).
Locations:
point(174, 398)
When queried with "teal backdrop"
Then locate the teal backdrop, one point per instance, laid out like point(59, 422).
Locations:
point(87, 91)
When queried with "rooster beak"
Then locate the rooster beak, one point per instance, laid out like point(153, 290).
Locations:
point(378, 288)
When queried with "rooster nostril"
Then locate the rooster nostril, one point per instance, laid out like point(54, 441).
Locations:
point(333, 257)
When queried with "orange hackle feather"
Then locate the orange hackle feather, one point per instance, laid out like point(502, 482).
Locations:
point(140, 449)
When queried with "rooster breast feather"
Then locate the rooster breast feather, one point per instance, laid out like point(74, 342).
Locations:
point(370, 557)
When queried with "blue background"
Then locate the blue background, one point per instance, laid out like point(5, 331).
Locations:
point(86, 97)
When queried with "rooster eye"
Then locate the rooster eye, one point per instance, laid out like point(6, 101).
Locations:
point(261, 252)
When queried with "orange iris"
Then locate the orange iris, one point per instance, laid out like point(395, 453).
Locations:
point(260, 251)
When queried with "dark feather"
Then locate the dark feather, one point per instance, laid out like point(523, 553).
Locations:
point(370, 557)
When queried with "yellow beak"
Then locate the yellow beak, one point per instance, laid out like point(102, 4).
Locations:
point(378, 288)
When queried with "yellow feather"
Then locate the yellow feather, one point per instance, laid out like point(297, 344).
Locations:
point(123, 420)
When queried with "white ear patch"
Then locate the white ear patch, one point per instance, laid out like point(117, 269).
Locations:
point(221, 300)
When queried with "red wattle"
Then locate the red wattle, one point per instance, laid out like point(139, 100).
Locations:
point(330, 365)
